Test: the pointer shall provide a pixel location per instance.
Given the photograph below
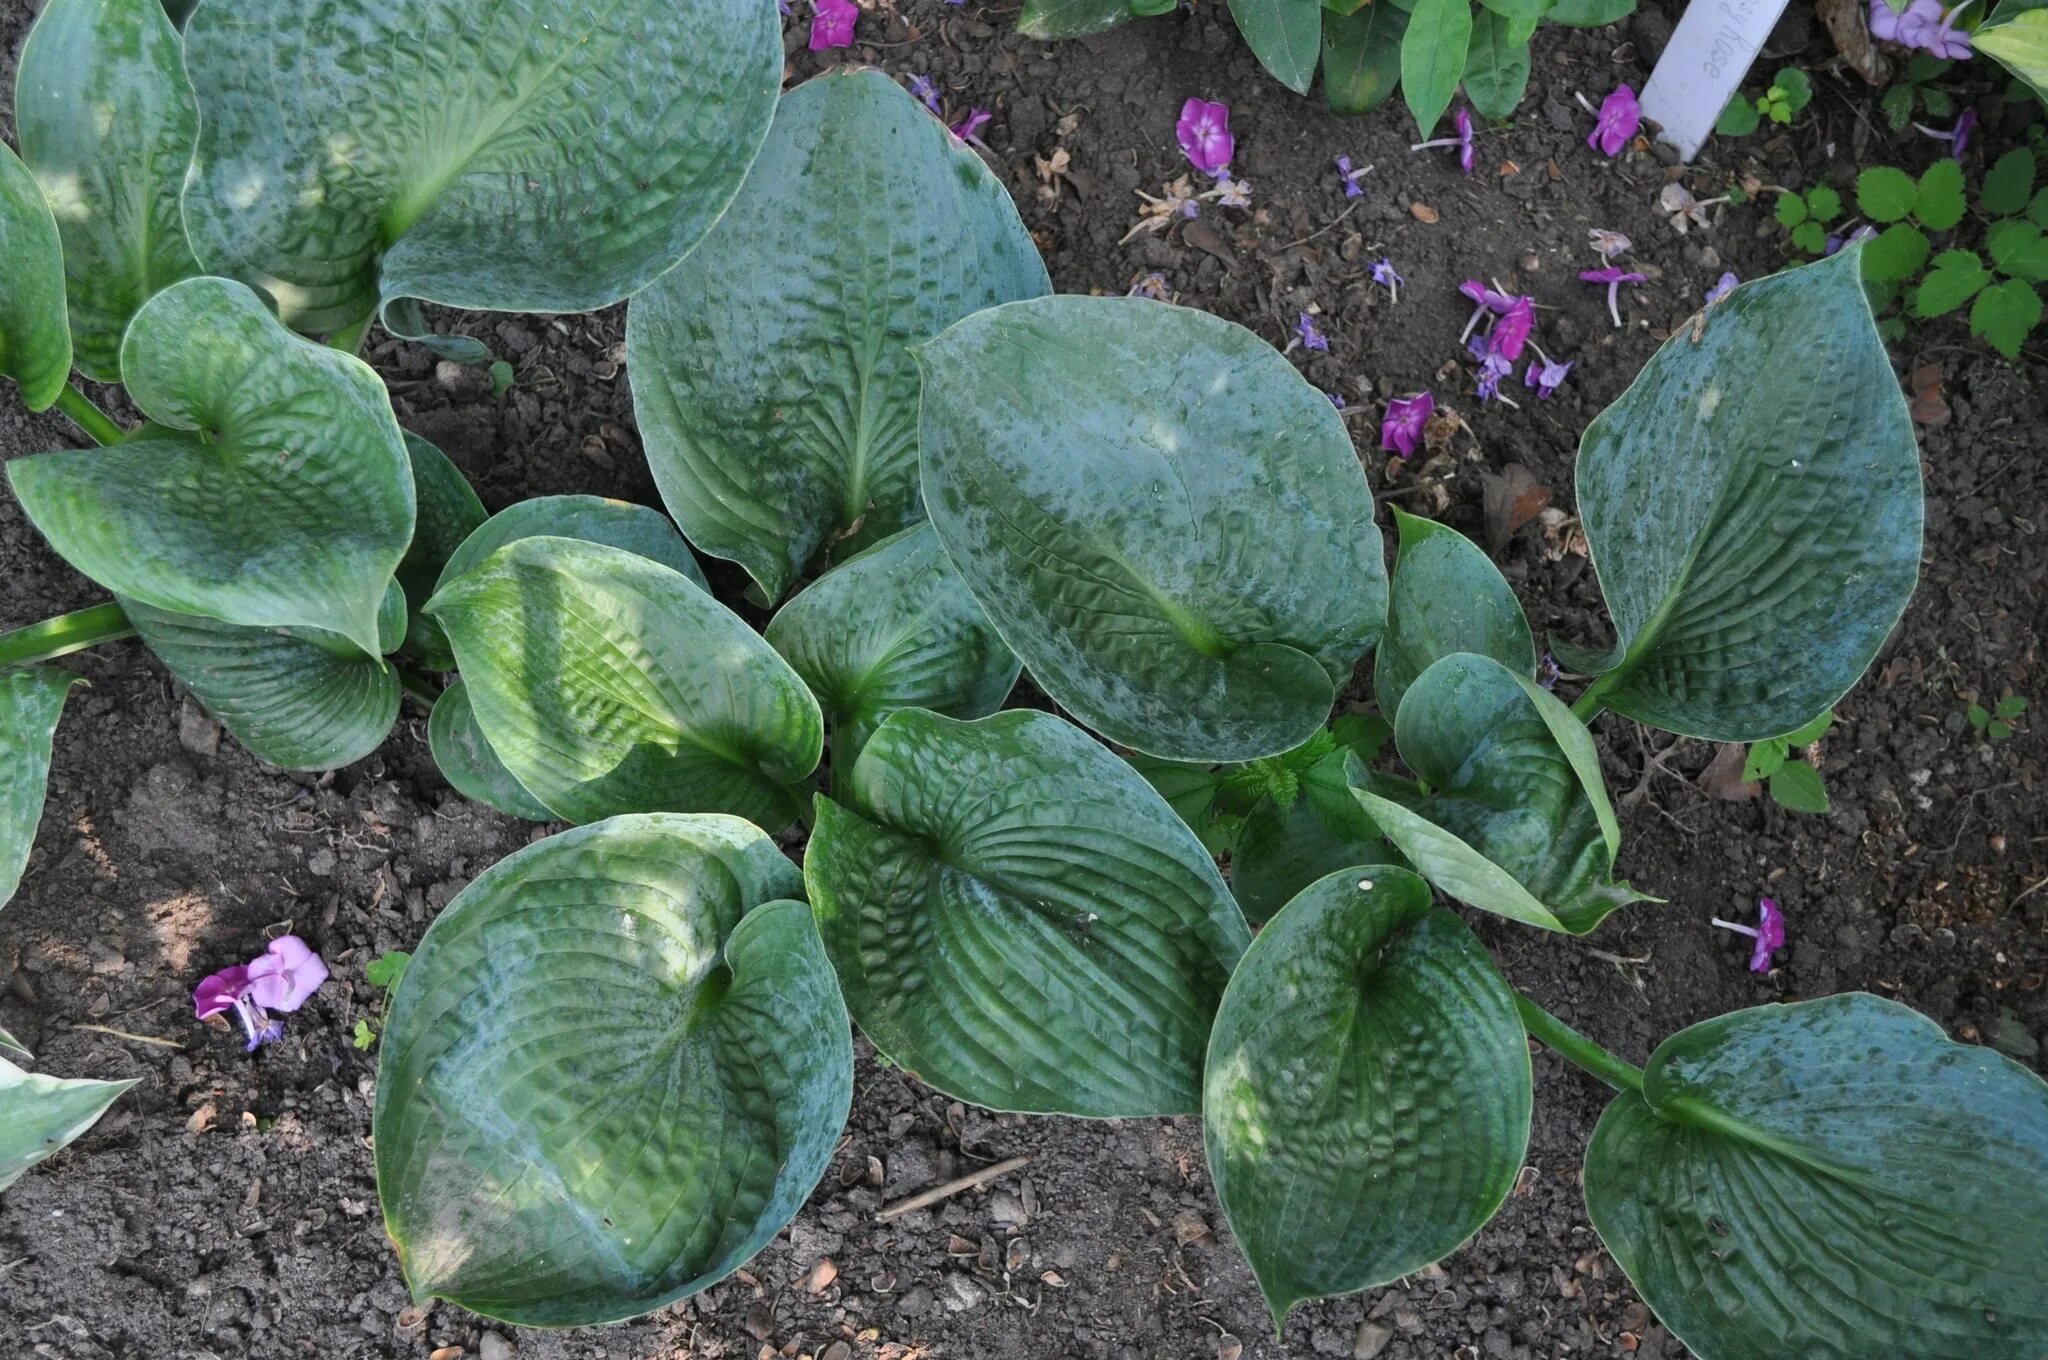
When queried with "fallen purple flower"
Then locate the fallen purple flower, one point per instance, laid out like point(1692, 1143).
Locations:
point(968, 129)
point(926, 91)
point(1546, 377)
point(1493, 366)
point(1769, 934)
point(1548, 673)
point(1619, 117)
point(1958, 136)
point(1834, 243)
point(1463, 141)
point(1230, 193)
point(1154, 286)
point(1385, 275)
point(1336, 399)
point(1722, 287)
point(281, 978)
point(1310, 337)
point(1204, 132)
point(832, 23)
point(1351, 177)
point(1512, 330)
point(1401, 429)
point(784, 8)
point(1613, 277)
point(1608, 244)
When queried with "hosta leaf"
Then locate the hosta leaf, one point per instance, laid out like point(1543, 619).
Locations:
point(1496, 66)
point(775, 387)
point(277, 491)
point(592, 519)
point(31, 701)
point(447, 512)
point(1835, 1180)
point(893, 628)
point(35, 343)
point(1362, 56)
point(1161, 517)
point(1516, 820)
point(505, 155)
point(1047, 19)
point(2018, 41)
point(1433, 57)
point(107, 123)
point(1758, 482)
point(40, 1114)
point(1285, 35)
point(1447, 596)
point(297, 697)
point(1367, 1100)
point(469, 764)
point(609, 683)
point(1019, 920)
point(613, 1070)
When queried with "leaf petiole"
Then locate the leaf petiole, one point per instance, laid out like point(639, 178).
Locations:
point(1576, 1049)
point(97, 424)
point(65, 634)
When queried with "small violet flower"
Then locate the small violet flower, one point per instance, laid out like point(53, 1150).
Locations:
point(1958, 136)
point(1722, 287)
point(1548, 673)
point(926, 91)
point(782, 6)
point(1619, 117)
point(282, 978)
point(1153, 286)
point(1336, 399)
point(1401, 429)
point(832, 23)
point(1924, 25)
point(1606, 244)
point(1230, 193)
point(1310, 337)
point(968, 129)
point(1386, 276)
point(1769, 934)
point(1204, 132)
point(1463, 141)
point(1351, 177)
point(1613, 277)
point(1546, 377)
point(1493, 366)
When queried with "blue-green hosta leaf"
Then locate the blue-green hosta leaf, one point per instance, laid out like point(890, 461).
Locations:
point(614, 1069)
point(35, 342)
point(276, 493)
point(591, 519)
point(300, 698)
point(1833, 1179)
point(107, 124)
point(1019, 920)
point(506, 155)
point(1285, 35)
point(1366, 1105)
point(1049, 19)
point(448, 511)
point(10, 1044)
point(469, 764)
point(1362, 56)
point(31, 701)
point(893, 628)
point(1447, 596)
point(1161, 517)
point(1517, 819)
point(772, 369)
point(40, 1114)
point(1754, 509)
point(609, 683)
point(2017, 39)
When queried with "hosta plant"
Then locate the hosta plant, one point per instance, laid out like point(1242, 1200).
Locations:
point(617, 1064)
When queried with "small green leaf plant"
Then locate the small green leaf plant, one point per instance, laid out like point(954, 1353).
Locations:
point(1784, 99)
point(1808, 216)
point(1916, 93)
point(1792, 783)
point(645, 1022)
point(1998, 722)
point(383, 973)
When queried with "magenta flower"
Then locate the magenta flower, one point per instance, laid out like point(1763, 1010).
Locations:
point(1385, 275)
point(968, 129)
point(1769, 934)
point(1462, 120)
point(219, 991)
point(1204, 132)
point(281, 978)
point(1401, 429)
point(832, 23)
point(1620, 115)
point(1311, 338)
point(1351, 177)
point(1512, 330)
point(1546, 377)
point(1722, 287)
point(1613, 277)
point(1958, 136)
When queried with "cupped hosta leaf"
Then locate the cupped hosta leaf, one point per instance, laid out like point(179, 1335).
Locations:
point(1366, 1105)
point(772, 371)
point(506, 155)
point(469, 764)
point(1161, 517)
point(1832, 1179)
point(448, 511)
point(107, 124)
point(1754, 509)
point(893, 628)
point(614, 1069)
point(35, 343)
point(1019, 920)
point(609, 683)
point(592, 519)
point(1516, 820)
point(287, 502)
point(1447, 596)
point(40, 1114)
point(31, 701)
point(296, 697)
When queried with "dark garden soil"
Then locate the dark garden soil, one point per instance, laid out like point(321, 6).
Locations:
point(227, 1207)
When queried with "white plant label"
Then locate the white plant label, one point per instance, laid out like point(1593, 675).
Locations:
point(1703, 64)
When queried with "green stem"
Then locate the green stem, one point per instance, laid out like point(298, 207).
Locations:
point(1576, 1048)
point(1589, 705)
point(97, 424)
point(349, 338)
point(417, 687)
point(63, 635)
point(842, 761)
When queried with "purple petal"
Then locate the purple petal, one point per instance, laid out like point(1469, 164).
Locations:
point(832, 23)
point(218, 992)
point(1204, 133)
point(286, 975)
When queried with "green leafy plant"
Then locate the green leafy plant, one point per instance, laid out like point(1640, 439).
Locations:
point(1917, 91)
point(2000, 721)
point(1150, 511)
point(1783, 100)
point(1794, 784)
point(382, 972)
point(1808, 216)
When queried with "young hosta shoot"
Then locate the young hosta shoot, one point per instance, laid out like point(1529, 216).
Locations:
point(40, 1114)
point(1833, 1179)
point(608, 683)
point(35, 343)
point(1367, 1099)
point(107, 124)
point(508, 155)
point(615, 1067)
point(1447, 596)
point(1019, 920)
point(773, 383)
point(1758, 482)
point(1516, 819)
point(1160, 516)
point(893, 628)
point(31, 701)
point(277, 492)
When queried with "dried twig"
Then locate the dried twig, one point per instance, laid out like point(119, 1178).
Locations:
point(135, 1038)
point(953, 1187)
